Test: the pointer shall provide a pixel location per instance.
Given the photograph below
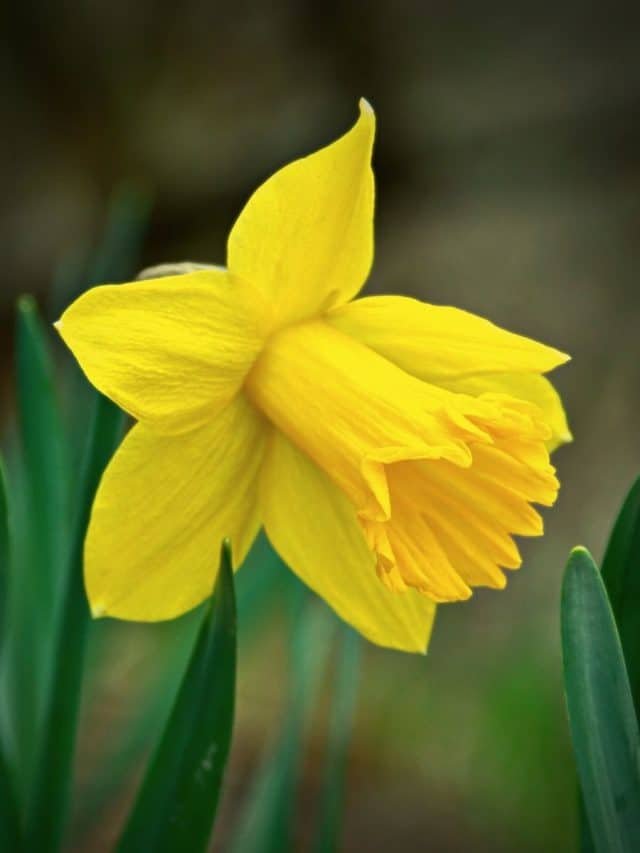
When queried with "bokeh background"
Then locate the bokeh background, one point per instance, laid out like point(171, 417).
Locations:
point(508, 175)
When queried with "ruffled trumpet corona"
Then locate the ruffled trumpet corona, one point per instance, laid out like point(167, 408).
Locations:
point(391, 449)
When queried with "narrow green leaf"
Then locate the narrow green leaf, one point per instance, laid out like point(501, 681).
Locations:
point(147, 714)
point(266, 823)
point(178, 799)
point(10, 832)
point(49, 804)
point(4, 552)
point(341, 723)
point(43, 445)
point(9, 817)
point(603, 725)
point(585, 839)
point(621, 575)
point(41, 537)
point(259, 585)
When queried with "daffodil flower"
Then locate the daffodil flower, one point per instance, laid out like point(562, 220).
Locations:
point(389, 448)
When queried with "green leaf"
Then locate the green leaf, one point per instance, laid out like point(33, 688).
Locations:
point(49, 804)
point(43, 444)
point(9, 818)
point(40, 541)
point(259, 586)
point(603, 725)
point(341, 723)
point(147, 713)
point(265, 826)
point(178, 799)
point(4, 551)
point(585, 839)
point(621, 575)
point(10, 833)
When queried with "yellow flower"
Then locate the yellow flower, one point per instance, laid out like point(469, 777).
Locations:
point(389, 448)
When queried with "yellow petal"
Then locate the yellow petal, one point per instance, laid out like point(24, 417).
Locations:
point(170, 351)
point(305, 237)
point(526, 386)
point(436, 343)
point(164, 506)
point(314, 528)
point(396, 446)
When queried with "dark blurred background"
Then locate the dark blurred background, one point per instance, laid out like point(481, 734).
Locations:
point(508, 174)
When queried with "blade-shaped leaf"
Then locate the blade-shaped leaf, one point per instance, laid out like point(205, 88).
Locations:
point(9, 819)
point(259, 585)
point(621, 575)
point(345, 692)
point(148, 713)
point(603, 725)
point(41, 537)
point(4, 550)
point(177, 803)
point(10, 832)
point(49, 803)
point(262, 583)
point(265, 826)
point(43, 444)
